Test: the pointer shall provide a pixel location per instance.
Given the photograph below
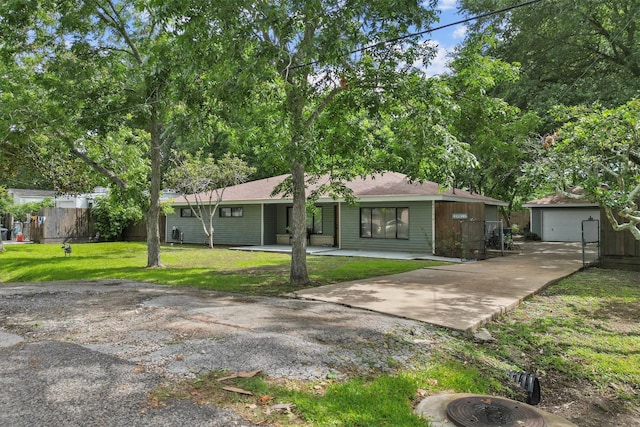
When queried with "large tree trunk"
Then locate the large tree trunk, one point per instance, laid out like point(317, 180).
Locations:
point(153, 214)
point(299, 274)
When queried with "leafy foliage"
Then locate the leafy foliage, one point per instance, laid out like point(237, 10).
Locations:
point(499, 134)
point(205, 179)
point(113, 213)
point(570, 52)
point(599, 150)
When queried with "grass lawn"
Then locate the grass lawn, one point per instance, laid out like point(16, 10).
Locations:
point(579, 335)
point(219, 269)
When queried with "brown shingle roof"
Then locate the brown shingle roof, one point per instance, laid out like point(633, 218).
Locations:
point(382, 185)
point(560, 200)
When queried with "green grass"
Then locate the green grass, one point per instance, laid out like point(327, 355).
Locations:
point(580, 333)
point(586, 327)
point(385, 400)
point(220, 269)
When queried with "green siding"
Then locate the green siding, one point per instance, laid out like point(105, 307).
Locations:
point(244, 230)
point(420, 214)
point(281, 223)
point(328, 219)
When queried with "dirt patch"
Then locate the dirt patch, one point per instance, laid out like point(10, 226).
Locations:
point(135, 336)
point(153, 334)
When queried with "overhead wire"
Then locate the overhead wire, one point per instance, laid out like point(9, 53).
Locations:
point(362, 49)
point(428, 30)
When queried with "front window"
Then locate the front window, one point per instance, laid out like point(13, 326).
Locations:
point(230, 212)
point(186, 212)
point(384, 223)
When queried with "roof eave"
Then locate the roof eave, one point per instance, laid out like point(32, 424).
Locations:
point(560, 205)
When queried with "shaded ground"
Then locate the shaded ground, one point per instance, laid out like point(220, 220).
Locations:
point(89, 353)
point(74, 353)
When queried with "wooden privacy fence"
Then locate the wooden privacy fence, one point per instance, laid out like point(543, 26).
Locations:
point(619, 249)
point(522, 218)
point(59, 225)
point(138, 232)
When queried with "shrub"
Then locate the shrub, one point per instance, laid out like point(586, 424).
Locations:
point(112, 215)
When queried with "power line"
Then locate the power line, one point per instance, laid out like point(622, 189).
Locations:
point(295, 67)
point(428, 30)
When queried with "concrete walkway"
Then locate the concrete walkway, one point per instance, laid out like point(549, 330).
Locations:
point(460, 296)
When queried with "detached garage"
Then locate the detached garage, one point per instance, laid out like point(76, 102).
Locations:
point(559, 218)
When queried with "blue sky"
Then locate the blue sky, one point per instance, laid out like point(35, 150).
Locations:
point(447, 38)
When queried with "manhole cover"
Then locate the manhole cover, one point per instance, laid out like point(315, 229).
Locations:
point(485, 411)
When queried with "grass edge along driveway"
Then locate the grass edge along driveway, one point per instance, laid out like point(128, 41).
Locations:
point(218, 269)
point(579, 335)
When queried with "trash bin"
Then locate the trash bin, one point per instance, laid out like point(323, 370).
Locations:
point(4, 233)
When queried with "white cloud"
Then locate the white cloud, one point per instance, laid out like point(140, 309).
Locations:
point(438, 64)
point(447, 4)
point(460, 32)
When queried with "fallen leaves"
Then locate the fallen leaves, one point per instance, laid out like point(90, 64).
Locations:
point(241, 374)
point(237, 390)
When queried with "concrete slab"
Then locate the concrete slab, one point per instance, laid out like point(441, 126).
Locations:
point(331, 251)
point(462, 296)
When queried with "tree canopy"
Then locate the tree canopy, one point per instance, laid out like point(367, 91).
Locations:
point(598, 150)
point(571, 52)
point(319, 79)
point(87, 89)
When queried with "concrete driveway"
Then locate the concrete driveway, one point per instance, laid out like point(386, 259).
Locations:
point(460, 296)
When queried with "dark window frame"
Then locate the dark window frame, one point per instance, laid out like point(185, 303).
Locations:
point(366, 227)
point(186, 213)
point(231, 212)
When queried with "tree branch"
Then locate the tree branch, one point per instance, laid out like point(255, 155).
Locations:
point(325, 103)
point(117, 23)
point(112, 176)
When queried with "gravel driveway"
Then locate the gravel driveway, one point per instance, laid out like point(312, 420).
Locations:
point(88, 353)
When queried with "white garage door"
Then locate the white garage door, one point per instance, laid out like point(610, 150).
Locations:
point(565, 225)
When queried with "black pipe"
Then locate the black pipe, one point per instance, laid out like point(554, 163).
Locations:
point(528, 382)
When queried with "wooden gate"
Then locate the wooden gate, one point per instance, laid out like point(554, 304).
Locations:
point(449, 216)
